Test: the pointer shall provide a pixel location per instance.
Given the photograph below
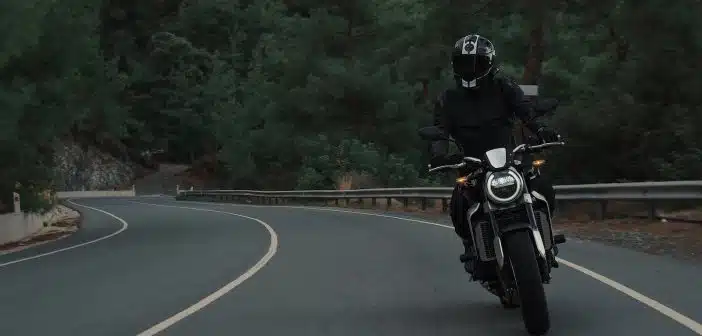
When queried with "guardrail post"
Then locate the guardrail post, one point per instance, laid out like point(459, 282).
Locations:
point(336, 201)
point(405, 201)
point(17, 202)
point(424, 203)
point(652, 210)
point(603, 209)
point(373, 201)
point(388, 203)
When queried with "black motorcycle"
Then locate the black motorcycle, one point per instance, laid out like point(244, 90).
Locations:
point(511, 226)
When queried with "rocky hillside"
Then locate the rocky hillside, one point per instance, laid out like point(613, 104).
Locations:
point(87, 168)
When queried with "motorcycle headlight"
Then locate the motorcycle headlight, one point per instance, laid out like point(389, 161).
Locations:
point(504, 186)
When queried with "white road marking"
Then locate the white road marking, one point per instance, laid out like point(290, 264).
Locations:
point(661, 308)
point(691, 324)
point(122, 229)
point(272, 249)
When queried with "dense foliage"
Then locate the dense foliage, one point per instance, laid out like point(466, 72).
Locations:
point(285, 94)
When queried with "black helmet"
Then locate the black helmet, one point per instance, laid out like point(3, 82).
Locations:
point(472, 59)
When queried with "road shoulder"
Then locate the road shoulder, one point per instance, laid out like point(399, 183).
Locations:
point(62, 221)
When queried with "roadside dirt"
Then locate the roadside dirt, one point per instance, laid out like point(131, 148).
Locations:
point(678, 239)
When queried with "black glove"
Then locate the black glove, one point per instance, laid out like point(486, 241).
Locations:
point(548, 135)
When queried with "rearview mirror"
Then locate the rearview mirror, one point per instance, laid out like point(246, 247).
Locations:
point(544, 106)
point(432, 133)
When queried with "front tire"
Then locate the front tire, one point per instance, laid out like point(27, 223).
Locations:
point(522, 257)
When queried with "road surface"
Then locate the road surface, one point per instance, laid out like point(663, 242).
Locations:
point(160, 265)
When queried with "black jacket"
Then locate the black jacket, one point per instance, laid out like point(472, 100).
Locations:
point(483, 118)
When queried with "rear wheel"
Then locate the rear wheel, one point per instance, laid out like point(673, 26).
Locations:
point(527, 275)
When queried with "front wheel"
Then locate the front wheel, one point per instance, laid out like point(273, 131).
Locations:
point(525, 267)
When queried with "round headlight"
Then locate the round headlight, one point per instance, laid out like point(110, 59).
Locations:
point(504, 186)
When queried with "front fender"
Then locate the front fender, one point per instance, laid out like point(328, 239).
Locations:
point(536, 240)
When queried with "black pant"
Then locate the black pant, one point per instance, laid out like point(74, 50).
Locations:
point(460, 201)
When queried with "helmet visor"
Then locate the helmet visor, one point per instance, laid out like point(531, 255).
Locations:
point(470, 67)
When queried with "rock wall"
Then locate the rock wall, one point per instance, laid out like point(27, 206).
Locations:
point(77, 168)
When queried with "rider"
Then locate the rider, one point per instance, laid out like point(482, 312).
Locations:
point(479, 114)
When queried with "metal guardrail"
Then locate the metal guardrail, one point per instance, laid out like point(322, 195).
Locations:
point(649, 192)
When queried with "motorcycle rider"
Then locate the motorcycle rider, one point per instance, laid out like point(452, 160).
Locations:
point(479, 115)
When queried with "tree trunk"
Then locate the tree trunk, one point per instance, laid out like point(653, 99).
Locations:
point(532, 68)
point(536, 10)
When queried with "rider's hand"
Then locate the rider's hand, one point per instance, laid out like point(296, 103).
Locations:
point(548, 135)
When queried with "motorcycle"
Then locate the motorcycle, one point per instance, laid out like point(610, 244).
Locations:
point(511, 226)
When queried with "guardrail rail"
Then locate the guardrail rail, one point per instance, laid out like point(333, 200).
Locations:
point(647, 192)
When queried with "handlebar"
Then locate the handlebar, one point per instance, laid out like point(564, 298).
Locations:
point(457, 165)
point(527, 148)
point(453, 166)
point(519, 149)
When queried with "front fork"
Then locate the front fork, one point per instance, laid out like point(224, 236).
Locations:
point(545, 258)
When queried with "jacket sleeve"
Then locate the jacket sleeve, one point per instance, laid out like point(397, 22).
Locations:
point(440, 148)
point(519, 104)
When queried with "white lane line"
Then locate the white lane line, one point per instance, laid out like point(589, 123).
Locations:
point(661, 308)
point(691, 324)
point(272, 249)
point(121, 229)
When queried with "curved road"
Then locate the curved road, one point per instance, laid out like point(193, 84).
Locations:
point(304, 272)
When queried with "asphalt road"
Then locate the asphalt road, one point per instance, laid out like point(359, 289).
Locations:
point(323, 273)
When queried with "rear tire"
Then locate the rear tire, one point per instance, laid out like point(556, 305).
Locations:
point(522, 256)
